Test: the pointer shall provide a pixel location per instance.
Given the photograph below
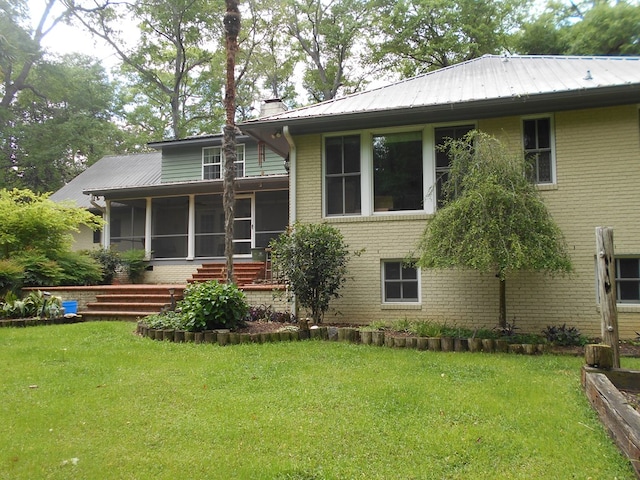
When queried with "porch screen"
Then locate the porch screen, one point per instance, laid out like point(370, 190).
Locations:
point(169, 227)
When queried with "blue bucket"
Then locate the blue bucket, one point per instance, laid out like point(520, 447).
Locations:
point(70, 306)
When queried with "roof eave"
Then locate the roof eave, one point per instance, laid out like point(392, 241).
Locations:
point(193, 187)
point(495, 107)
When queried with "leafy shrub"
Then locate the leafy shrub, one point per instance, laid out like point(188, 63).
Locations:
point(167, 319)
point(426, 328)
point(313, 259)
point(134, 264)
point(39, 270)
point(210, 305)
point(11, 273)
point(79, 269)
point(33, 305)
point(109, 259)
point(564, 336)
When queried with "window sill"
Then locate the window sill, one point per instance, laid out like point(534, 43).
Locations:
point(546, 186)
point(401, 306)
point(625, 308)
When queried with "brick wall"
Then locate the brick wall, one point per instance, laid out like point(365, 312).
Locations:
point(598, 184)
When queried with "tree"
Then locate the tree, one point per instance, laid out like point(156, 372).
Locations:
point(583, 28)
point(416, 36)
point(32, 222)
point(232, 29)
point(494, 219)
point(327, 34)
point(63, 123)
point(172, 70)
point(313, 258)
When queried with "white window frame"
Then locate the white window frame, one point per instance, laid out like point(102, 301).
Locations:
point(239, 163)
point(552, 141)
point(383, 282)
point(626, 279)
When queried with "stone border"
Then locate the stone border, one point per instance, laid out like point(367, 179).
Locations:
point(36, 322)
point(224, 337)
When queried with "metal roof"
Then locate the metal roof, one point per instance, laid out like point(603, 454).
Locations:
point(135, 170)
point(491, 85)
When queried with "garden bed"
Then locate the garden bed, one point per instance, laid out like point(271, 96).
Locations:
point(614, 395)
point(34, 322)
point(263, 332)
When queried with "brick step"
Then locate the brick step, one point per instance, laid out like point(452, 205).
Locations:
point(127, 306)
point(243, 273)
point(90, 315)
point(133, 298)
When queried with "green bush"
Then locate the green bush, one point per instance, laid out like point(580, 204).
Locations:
point(564, 336)
point(166, 319)
point(78, 268)
point(313, 258)
point(109, 259)
point(39, 270)
point(11, 273)
point(210, 305)
point(134, 264)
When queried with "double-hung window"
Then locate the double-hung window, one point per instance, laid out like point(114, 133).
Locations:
point(628, 280)
point(213, 165)
point(399, 282)
point(538, 148)
point(443, 163)
point(342, 175)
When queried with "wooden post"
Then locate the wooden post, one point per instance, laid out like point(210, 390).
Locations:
point(607, 290)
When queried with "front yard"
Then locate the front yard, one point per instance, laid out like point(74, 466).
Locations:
point(93, 401)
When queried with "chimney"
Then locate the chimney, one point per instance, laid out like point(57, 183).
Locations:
point(272, 106)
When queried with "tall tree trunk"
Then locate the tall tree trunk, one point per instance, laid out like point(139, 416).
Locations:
point(232, 28)
point(502, 320)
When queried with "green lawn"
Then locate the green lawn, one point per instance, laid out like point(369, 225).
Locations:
point(93, 401)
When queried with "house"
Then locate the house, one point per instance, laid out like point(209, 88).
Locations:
point(169, 202)
point(369, 165)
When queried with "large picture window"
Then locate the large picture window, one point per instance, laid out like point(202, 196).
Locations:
point(397, 167)
point(537, 139)
point(213, 162)
point(399, 282)
point(342, 175)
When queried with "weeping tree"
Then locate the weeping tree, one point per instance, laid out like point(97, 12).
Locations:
point(232, 29)
point(494, 219)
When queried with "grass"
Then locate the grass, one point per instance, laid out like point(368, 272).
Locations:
point(93, 401)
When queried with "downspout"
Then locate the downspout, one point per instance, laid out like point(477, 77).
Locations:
point(292, 175)
point(292, 194)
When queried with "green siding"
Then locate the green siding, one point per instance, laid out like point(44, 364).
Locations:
point(185, 164)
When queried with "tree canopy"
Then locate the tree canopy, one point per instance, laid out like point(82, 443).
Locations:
point(494, 219)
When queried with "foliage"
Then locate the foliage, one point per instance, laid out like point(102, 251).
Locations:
point(494, 219)
point(167, 319)
point(582, 28)
point(134, 263)
point(39, 270)
point(30, 221)
point(564, 336)
point(416, 36)
point(313, 258)
point(63, 123)
point(11, 274)
point(269, 314)
point(78, 268)
point(210, 305)
point(109, 259)
point(36, 303)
